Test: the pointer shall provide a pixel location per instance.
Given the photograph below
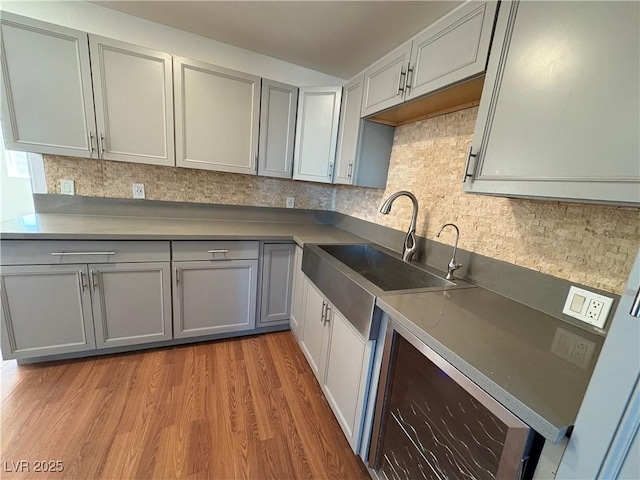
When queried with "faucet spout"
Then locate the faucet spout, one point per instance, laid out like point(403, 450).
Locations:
point(453, 266)
point(410, 245)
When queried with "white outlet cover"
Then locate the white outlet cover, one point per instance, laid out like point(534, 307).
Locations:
point(138, 190)
point(290, 202)
point(67, 187)
point(578, 302)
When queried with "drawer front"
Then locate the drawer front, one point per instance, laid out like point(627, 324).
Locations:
point(215, 250)
point(59, 252)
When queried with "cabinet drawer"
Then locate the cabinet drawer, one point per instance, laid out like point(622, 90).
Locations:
point(58, 252)
point(218, 250)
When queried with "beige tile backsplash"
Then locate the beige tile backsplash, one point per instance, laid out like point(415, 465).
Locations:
point(588, 244)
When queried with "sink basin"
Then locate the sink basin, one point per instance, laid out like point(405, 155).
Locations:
point(383, 270)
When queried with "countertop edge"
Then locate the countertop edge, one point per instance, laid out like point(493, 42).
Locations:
point(544, 427)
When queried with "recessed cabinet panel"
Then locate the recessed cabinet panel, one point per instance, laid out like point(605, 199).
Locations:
point(385, 81)
point(131, 303)
point(277, 280)
point(214, 297)
point(46, 310)
point(315, 334)
point(134, 102)
point(47, 104)
point(559, 110)
point(217, 115)
point(277, 129)
point(452, 49)
point(317, 132)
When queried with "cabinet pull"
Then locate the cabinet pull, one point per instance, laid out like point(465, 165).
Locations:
point(81, 280)
point(635, 308)
point(349, 170)
point(177, 275)
point(324, 304)
point(466, 165)
point(330, 170)
point(409, 78)
point(91, 143)
point(326, 314)
point(60, 254)
point(101, 145)
point(94, 282)
point(221, 250)
point(403, 74)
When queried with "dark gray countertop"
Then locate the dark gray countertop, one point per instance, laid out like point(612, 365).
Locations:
point(534, 364)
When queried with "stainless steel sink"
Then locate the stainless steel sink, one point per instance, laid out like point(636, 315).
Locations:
point(383, 270)
point(353, 276)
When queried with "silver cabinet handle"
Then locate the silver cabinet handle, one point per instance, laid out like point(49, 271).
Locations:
point(326, 314)
point(60, 254)
point(221, 250)
point(81, 280)
point(91, 142)
point(330, 170)
point(635, 308)
point(409, 78)
point(94, 282)
point(324, 305)
point(350, 170)
point(177, 275)
point(466, 165)
point(101, 145)
point(403, 74)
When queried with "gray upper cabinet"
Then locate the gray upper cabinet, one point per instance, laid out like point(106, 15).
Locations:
point(133, 93)
point(454, 48)
point(46, 310)
point(47, 104)
point(277, 282)
point(131, 303)
point(212, 297)
point(316, 133)
point(278, 108)
point(364, 148)
point(216, 117)
point(385, 80)
point(559, 112)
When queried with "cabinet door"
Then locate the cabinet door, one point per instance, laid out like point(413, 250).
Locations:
point(277, 282)
point(315, 332)
point(554, 121)
point(349, 132)
point(47, 104)
point(133, 94)
point(46, 310)
point(453, 49)
point(297, 297)
point(131, 303)
point(385, 80)
point(317, 133)
point(217, 114)
point(214, 297)
point(346, 380)
point(277, 129)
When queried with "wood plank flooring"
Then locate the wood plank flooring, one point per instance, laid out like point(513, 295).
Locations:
point(240, 408)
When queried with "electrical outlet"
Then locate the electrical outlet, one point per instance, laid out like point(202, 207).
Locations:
point(138, 190)
point(290, 202)
point(67, 187)
point(587, 306)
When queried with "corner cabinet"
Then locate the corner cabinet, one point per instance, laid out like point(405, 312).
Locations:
point(277, 283)
point(278, 107)
point(47, 102)
point(341, 361)
point(133, 92)
point(559, 112)
point(316, 133)
point(453, 49)
point(364, 147)
point(217, 112)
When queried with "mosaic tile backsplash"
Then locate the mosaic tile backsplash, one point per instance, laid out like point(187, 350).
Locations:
point(589, 244)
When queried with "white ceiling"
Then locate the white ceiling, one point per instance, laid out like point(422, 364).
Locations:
point(338, 38)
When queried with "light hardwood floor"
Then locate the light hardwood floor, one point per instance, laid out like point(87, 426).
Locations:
point(240, 408)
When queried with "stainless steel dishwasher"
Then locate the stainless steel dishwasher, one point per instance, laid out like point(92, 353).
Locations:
point(432, 422)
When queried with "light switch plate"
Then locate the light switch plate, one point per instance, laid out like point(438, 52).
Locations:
point(67, 187)
point(587, 306)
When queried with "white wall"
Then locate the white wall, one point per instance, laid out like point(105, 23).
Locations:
point(109, 23)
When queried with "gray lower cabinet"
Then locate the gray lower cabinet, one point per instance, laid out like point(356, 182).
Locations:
point(277, 282)
point(212, 297)
point(558, 117)
point(46, 310)
point(131, 303)
point(315, 333)
point(299, 288)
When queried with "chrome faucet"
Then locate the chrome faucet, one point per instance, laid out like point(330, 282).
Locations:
point(410, 246)
point(453, 266)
